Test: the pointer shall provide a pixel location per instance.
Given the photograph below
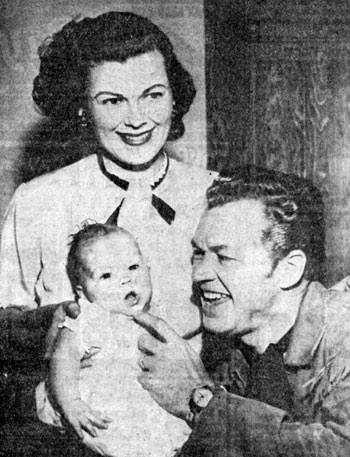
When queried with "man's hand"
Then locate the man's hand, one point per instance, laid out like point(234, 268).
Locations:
point(171, 369)
point(67, 308)
point(81, 417)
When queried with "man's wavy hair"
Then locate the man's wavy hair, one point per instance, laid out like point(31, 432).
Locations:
point(60, 88)
point(293, 205)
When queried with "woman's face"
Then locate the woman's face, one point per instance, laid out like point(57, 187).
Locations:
point(131, 107)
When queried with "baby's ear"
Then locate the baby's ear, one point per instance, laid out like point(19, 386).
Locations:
point(79, 292)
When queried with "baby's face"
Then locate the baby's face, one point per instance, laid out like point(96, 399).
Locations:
point(116, 275)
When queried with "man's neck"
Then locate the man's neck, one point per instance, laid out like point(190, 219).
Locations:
point(271, 327)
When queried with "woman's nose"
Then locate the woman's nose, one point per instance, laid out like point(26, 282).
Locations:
point(135, 117)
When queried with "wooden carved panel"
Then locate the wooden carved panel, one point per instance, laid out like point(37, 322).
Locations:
point(293, 114)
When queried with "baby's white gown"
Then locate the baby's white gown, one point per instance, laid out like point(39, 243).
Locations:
point(139, 427)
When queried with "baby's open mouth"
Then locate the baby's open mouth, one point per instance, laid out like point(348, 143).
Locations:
point(131, 298)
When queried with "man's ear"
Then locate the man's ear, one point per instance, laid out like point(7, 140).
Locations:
point(290, 270)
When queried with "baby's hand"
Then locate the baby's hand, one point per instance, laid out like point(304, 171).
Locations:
point(82, 417)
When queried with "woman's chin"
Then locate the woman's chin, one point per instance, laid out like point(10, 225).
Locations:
point(136, 159)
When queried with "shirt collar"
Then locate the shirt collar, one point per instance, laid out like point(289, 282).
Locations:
point(309, 327)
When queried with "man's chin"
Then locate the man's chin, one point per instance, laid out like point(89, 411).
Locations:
point(216, 325)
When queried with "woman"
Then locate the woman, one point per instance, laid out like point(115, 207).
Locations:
point(115, 81)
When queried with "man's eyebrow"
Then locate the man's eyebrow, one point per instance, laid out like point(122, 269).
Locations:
point(219, 247)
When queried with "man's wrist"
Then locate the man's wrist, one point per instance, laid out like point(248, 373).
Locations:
point(200, 398)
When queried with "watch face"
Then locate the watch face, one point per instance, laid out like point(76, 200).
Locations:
point(202, 396)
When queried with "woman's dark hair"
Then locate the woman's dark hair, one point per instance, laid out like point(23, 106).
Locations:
point(66, 58)
point(293, 205)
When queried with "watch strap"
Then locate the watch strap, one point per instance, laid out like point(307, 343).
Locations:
point(194, 409)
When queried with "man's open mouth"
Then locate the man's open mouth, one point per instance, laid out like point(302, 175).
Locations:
point(210, 298)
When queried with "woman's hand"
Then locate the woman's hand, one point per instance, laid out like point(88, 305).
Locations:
point(67, 308)
point(171, 369)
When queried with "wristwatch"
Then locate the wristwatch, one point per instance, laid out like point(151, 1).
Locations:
point(200, 399)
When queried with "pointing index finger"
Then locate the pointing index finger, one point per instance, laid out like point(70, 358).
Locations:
point(156, 326)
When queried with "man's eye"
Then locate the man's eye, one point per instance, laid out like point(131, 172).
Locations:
point(105, 276)
point(135, 266)
point(224, 258)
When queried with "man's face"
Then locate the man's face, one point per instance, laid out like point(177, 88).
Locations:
point(232, 268)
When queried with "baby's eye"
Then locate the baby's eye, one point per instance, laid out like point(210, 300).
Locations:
point(135, 266)
point(105, 276)
point(197, 253)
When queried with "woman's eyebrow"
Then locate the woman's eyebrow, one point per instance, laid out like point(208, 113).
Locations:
point(164, 86)
point(106, 92)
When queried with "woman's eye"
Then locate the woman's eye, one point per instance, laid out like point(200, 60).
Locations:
point(155, 95)
point(135, 266)
point(111, 101)
point(105, 276)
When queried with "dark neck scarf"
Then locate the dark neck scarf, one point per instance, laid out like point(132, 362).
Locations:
point(164, 210)
point(268, 380)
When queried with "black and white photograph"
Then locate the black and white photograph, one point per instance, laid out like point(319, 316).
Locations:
point(175, 226)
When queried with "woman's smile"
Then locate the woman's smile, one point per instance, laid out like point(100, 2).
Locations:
point(136, 139)
point(131, 106)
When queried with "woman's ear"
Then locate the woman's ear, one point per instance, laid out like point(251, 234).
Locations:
point(290, 270)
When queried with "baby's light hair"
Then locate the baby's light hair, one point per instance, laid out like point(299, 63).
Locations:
point(88, 235)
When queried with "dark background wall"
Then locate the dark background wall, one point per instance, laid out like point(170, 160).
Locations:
point(278, 95)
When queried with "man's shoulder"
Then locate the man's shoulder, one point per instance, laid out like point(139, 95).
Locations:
point(337, 303)
point(337, 314)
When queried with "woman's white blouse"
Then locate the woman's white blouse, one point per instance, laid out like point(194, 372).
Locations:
point(46, 211)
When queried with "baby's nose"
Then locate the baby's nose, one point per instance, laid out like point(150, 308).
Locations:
point(125, 280)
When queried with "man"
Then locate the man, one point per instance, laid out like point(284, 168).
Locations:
point(284, 390)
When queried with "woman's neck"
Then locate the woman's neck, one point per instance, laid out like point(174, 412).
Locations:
point(150, 173)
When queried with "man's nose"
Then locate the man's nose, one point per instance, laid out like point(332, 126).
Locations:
point(135, 117)
point(203, 271)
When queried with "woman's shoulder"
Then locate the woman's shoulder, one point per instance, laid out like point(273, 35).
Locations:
point(60, 182)
point(69, 174)
point(186, 172)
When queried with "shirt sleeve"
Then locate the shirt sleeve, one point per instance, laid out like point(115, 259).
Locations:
point(20, 260)
point(234, 426)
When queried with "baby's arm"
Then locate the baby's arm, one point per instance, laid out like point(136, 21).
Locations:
point(64, 382)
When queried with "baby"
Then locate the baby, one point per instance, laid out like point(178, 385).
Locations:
point(104, 403)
